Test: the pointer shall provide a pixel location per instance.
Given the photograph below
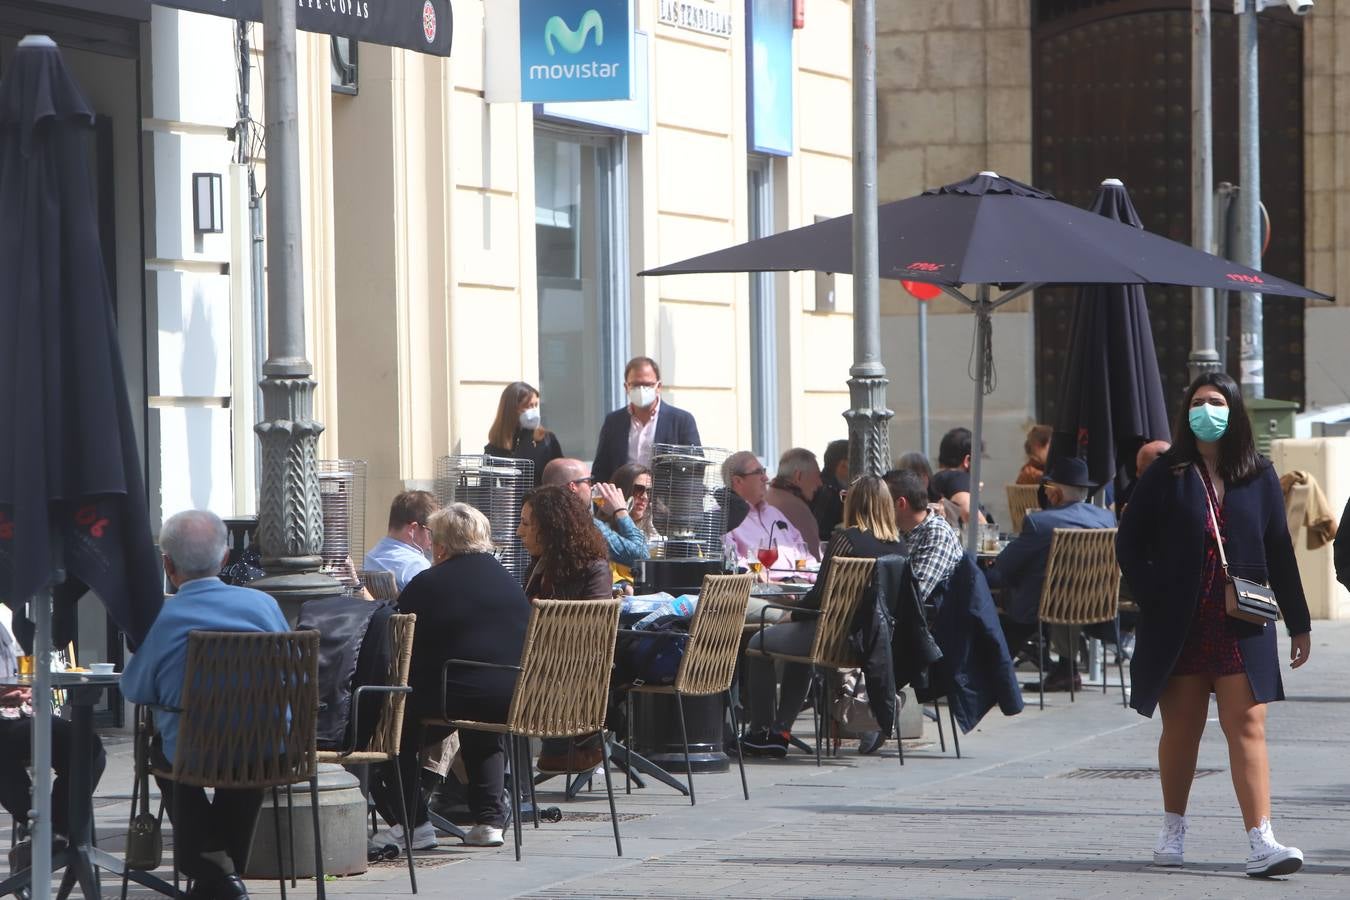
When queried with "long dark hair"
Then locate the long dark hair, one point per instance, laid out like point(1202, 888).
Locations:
point(571, 540)
point(507, 423)
point(1238, 459)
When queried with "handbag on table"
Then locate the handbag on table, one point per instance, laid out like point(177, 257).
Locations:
point(1244, 599)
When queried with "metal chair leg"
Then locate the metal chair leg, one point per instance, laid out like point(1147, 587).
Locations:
point(937, 716)
point(818, 714)
point(609, 789)
point(684, 738)
point(1040, 662)
point(899, 744)
point(628, 745)
point(735, 731)
point(276, 836)
point(956, 732)
point(290, 828)
point(407, 823)
point(318, 837)
point(528, 775)
point(515, 799)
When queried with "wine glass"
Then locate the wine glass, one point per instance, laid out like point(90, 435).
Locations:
point(767, 554)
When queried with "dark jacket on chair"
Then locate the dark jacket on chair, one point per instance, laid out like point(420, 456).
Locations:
point(1020, 568)
point(975, 672)
point(1161, 548)
point(673, 426)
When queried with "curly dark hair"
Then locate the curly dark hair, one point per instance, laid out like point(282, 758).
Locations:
point(571, 540)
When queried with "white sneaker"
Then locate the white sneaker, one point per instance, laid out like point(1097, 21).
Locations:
point(423, 837)
point(1171, 841)
point(483, 836)
point(1269, 857)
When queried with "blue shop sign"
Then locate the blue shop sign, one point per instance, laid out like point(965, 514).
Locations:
point(575, 50)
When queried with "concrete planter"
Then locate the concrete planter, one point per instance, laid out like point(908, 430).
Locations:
point(342, 821)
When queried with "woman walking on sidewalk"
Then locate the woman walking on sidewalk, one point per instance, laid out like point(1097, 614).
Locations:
point(1187, 646)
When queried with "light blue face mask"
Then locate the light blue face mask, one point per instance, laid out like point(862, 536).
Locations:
point(1208, 422)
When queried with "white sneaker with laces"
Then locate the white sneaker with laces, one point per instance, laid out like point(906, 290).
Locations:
point(483, 836)
point(1171, 841)
point(1269, 857)
point(423, 837)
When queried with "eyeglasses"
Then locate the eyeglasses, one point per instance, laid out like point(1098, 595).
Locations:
point(587, 480)
point(753, 473)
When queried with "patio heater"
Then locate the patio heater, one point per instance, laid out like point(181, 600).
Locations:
point(686, 485)
point(342, 498)
point(495, 486)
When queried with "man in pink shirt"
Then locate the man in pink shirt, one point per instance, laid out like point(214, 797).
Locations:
point(764, 525)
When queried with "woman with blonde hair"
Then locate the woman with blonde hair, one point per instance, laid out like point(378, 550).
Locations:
point(516, 432)
point(468, 606)
point(868, 531)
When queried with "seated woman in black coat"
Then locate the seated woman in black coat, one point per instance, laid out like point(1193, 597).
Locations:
point(868, 532)
point(468, 606)
point(1211, 498)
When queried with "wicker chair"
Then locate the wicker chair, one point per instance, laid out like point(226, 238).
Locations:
point(709, 660)
point(1021, 499)
point(845, 585)
point(382, 747)
point(561, 692)
point(246, 696)
point(379, 583)
point(1082, 587)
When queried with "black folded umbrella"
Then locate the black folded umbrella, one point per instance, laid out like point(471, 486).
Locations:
point(72, 500)
point(1112, 397)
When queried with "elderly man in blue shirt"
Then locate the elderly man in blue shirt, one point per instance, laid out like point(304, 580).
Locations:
point(213, 836)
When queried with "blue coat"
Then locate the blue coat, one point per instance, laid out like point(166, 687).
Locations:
point(1020, 568)
point(1161, 548)
point(673, 426)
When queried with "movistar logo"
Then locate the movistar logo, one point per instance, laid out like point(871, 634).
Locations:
point(573, 41)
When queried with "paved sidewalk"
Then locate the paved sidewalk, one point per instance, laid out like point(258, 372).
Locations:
point(1026, 813)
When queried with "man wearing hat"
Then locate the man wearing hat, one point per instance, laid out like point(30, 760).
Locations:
point(1020, 568)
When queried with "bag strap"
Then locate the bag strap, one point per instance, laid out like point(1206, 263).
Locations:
point(141, 762)
point(1214, 520)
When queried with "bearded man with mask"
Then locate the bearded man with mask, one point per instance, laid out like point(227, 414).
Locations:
point(628, 434)
point(1020, 568)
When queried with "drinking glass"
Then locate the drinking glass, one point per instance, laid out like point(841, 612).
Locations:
point(25, 665)
point(767, 554)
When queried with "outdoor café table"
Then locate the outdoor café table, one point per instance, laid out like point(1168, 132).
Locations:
point(81, 859)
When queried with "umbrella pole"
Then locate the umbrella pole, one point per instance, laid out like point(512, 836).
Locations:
point(42, 743)
point(982, 329)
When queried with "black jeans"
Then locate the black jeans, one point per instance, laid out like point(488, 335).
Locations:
point(223, 823)
point(16, 751)
point(484, 762)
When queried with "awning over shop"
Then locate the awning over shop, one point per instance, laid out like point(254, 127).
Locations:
point(126, 9)
point(421, 25)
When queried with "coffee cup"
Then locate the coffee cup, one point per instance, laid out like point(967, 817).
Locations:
point(103, 668)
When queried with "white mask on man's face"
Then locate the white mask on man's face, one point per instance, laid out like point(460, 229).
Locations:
point(642, 395)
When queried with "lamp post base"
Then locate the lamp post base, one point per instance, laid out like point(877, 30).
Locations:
point(869, 439)
point(291, 590)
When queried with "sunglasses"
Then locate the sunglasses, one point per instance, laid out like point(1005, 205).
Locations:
point(587, 480)
point(639, 490)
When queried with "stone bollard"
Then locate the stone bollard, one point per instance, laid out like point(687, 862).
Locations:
point(342, 820)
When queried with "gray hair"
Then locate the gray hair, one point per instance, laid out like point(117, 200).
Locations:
point(459, 529)
point(1072, 493)
point(733, 464)
point(196, 541)
point(797, 460)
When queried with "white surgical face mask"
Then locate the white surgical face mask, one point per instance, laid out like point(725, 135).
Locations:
point(530, 418)
point(642, 395)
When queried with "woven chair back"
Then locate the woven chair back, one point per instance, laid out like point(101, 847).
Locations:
point(845, 584)
point(380, 583)
point(564, 669)
point(1021, 498)
point(1082, 579)
point(389, 729)
point(249, 707)
point(714, 635)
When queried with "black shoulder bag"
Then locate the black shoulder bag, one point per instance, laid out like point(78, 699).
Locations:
point(1249, 601)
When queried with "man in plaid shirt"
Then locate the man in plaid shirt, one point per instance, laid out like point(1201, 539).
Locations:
point(934, 548)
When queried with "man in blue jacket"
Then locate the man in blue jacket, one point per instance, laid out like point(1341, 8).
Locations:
point(1020, 568)
point(628, 434)
point(212, 836)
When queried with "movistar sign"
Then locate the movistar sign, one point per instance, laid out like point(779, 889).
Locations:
point(575, 50)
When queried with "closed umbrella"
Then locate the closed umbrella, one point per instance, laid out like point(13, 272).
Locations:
point(1111, 401)
point(72, 500)
point(989, 231)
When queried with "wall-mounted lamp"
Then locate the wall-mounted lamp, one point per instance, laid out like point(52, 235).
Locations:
point(208, 212)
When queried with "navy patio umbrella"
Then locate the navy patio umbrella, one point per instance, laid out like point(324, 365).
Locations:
point(1111, 402)
point(989, 231)
point(72, 500)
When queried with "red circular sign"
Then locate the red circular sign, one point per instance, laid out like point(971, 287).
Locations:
point(429, 21)
point(921, 290)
